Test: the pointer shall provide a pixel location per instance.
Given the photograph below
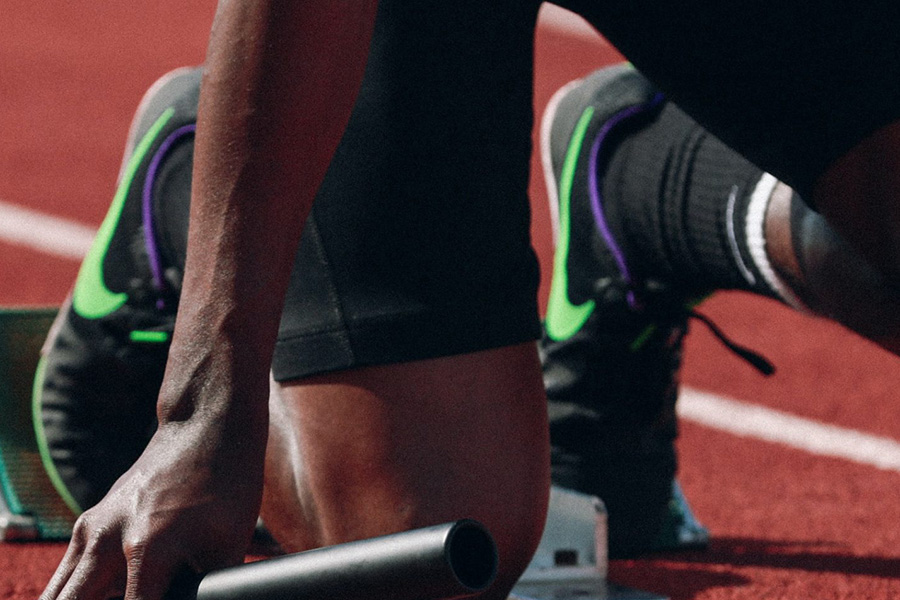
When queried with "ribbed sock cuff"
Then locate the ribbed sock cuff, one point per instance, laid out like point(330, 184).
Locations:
point(678, 200)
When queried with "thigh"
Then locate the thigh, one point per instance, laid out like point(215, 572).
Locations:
point(791, 85)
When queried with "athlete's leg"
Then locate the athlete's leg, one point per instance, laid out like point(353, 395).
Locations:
point(859, 194)
point(827, 273)
point(653, 205)
point(409, 387)
point(810, 93)
point(688, 209)
point(380, 449)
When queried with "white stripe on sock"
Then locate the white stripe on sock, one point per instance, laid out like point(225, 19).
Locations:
point(756, 241)
point(732, 238)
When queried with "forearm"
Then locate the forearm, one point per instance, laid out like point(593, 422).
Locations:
point(280, 81)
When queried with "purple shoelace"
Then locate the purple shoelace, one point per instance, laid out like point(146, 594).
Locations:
point(156, 269)
point(596, 192)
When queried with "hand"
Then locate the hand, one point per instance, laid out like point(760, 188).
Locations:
point(190, 502)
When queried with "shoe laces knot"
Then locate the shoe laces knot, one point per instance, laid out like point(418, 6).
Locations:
point(657, 303)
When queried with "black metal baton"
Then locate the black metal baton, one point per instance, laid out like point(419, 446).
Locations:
point(452, 560)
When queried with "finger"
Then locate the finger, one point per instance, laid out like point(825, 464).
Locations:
point(99, 571)
point(150, 579)
point(98, 576)
point(61, 575)
point(67, 565)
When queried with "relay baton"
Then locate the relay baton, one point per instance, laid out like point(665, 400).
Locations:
point(452, 560)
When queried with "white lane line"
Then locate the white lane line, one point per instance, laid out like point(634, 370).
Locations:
point(749, 420)
point(45, 233)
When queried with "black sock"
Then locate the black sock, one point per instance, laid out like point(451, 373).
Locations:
point(677, 200)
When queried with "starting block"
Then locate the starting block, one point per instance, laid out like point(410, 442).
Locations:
point(30, 507)
point(571, 562)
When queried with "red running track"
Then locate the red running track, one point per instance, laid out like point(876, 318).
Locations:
point(787, 524)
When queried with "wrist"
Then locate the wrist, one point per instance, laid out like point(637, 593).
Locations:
point(213, 386)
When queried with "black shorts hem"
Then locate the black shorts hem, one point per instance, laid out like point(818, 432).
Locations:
point(399, 339)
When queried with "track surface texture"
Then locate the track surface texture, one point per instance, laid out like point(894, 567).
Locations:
point(787, 522)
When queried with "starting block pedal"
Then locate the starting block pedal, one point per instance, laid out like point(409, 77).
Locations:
point(30, 507)
point(571, 562)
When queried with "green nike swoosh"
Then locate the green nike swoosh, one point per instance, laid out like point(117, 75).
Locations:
point(91, 299)
point(564, 319)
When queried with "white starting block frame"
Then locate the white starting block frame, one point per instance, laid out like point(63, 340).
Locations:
point(571, 562)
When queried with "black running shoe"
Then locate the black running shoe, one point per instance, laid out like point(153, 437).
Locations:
point(612, 346)
point(102, 366)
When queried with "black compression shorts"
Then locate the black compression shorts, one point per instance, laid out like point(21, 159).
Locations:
point(418, 245)
point(419, 240)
